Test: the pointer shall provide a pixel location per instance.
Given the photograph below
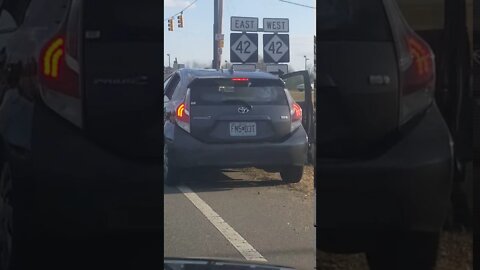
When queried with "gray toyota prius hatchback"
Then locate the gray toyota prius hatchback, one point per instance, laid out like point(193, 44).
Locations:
point(232, 119)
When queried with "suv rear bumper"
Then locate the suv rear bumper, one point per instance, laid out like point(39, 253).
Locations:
point(407, 188)
point(79, 188)
point(190, 152)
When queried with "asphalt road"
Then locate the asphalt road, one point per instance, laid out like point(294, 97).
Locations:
point(236, 215)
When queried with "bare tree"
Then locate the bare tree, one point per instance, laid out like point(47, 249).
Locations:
point(195, 64)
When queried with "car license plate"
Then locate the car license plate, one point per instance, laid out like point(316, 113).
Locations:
point(243, 129)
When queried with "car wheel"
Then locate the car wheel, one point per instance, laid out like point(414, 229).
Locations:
point(6, 217)
point(404, 251)
point(292, 174)
point(170, 173)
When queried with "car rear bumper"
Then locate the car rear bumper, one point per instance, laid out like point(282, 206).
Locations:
point(80, 188)
point(407, 188)
point(190, 152)
point(68, 205)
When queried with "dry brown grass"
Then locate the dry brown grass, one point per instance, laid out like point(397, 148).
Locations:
point(305, 185)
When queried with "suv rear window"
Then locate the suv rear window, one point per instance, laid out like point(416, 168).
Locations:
point(226, 91)
point(352, 20)
point(125, 20)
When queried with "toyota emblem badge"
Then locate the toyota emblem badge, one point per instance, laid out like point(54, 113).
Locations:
point(243, 110)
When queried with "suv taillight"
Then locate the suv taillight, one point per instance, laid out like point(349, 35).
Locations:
point(295, 112)
point(182, 113)
point(421, 73)
point(56, 72)
point(416, 63)
point(59, 68)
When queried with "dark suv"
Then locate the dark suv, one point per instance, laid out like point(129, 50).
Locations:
point(80, 119)
point(385, 158)
point(227, 119)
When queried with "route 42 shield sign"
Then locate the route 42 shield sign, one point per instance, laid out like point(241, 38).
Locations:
point(243, 48)
point(276, 48)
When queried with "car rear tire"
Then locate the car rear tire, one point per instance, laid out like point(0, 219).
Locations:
point(170, 173)
point(404, 251)
point(292, 174)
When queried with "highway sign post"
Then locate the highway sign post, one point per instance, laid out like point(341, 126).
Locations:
point(243, 48)
point(276, 48)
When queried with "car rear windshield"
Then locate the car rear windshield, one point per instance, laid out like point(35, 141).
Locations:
point(125, 20)
point(352, 20)
point(230, 92)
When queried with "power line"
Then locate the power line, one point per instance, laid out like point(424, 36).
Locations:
point(181, 11)
point(302, 5)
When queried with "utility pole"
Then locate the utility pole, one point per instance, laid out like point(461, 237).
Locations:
point(217, 29)
point(168, 59)
point(220, 27)
point(306, 59)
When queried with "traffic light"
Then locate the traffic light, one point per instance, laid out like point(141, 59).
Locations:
point(170, 24)
point(180, 21)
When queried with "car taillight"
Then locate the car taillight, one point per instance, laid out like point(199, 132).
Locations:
point(182, 113)
point(57, 69)
point(420, 76)
point(295, 112)
point(416, 63)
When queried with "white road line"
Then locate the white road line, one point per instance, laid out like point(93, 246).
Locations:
point(232, 236)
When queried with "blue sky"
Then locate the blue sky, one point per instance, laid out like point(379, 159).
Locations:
point(194, 41)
